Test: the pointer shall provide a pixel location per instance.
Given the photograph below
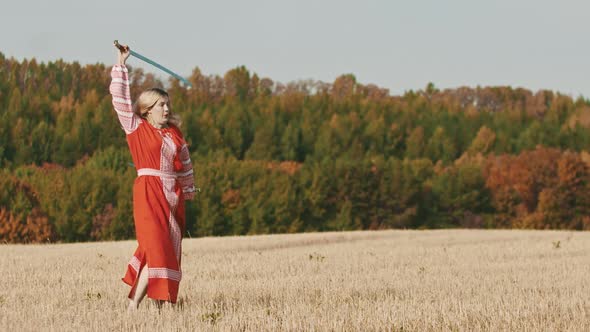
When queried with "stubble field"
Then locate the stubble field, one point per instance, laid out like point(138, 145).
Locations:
point(464, 280)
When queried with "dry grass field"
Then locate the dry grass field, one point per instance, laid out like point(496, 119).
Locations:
point(465, 280)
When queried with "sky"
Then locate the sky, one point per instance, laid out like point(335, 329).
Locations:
point(398, 45)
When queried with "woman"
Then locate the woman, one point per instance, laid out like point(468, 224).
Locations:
point(164, 182)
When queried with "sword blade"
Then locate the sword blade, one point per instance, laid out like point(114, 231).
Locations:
point(154, 63)
point(159, 66)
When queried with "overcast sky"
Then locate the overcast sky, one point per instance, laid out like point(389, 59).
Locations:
point(399, 45)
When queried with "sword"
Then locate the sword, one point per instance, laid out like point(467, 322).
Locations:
point(187, 84)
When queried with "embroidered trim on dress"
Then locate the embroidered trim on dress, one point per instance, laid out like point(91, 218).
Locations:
point(168, 153)
point(135, 263)
point(156, 172)
point(161, 272)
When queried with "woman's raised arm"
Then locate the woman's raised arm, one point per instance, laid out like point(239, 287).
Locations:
point(121, 94)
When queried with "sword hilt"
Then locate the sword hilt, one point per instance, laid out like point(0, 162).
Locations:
point(121, 47)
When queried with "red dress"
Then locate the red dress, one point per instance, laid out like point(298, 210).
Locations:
point(165, 180)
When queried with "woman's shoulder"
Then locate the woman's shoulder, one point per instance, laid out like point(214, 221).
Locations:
point(175, 129)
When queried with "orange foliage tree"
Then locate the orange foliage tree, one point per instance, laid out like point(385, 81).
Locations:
point(21, 218)
point(543, 188)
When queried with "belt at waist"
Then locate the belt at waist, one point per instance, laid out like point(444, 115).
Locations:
point(156, 172)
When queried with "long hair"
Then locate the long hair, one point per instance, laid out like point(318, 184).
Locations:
point(148, 99)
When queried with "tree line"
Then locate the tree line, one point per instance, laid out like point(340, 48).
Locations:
point(302, 156)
